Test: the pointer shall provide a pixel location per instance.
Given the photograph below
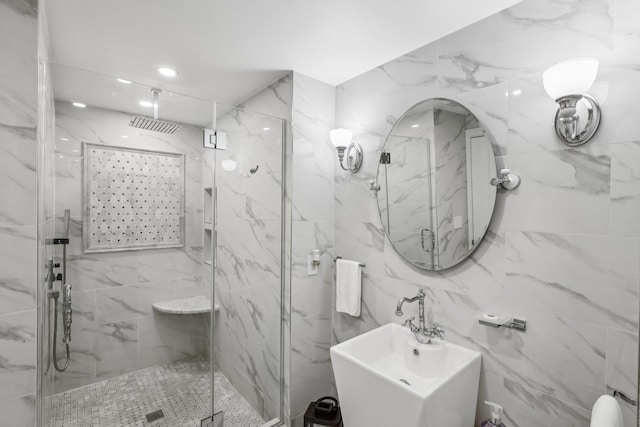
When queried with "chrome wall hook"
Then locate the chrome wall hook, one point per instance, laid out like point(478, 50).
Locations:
point(507, 180)
point(373, 186)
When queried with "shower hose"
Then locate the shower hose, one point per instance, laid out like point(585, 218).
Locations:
point(55, 338)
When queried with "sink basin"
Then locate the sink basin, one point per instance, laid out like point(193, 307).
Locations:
point(386, 378)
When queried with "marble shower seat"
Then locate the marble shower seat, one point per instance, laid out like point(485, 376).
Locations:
point(191, 305)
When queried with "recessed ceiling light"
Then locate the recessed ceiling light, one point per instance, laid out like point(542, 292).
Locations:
point(167, 72)
point(79, 104)
point(516, 92)
point(64, 139)
point(266, 128)
point(125, 136)
point(146, 104)
point(415, 126)
point(127, 82)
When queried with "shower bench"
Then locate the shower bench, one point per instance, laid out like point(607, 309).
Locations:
point(191, 305)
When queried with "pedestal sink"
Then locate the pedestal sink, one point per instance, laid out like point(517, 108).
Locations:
point(385, 378)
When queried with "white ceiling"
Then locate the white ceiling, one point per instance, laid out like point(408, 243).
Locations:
point(227, 50)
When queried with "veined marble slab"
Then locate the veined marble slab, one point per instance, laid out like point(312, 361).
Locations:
point(191, 305)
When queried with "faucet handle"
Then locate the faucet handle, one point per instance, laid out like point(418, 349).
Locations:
point(408, 321)
point(436, 330)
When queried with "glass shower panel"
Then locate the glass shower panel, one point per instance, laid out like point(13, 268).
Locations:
point(248, 278)
point(130, 202)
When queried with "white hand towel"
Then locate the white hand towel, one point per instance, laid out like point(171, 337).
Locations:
point(348, 287)
point(606, 412)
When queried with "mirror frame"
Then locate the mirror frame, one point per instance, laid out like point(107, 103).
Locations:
point(492, 143)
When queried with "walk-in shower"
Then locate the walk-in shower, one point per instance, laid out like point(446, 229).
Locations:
point(175, 261)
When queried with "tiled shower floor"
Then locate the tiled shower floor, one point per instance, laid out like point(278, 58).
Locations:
point(181, 389)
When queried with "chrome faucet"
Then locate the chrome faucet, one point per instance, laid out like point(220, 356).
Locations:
point(423, 334)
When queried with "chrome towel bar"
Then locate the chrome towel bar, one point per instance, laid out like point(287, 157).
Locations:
point(360, 263)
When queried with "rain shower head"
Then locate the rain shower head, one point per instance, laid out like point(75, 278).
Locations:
point(154, 124)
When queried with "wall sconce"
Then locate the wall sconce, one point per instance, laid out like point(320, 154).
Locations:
point(579, 114)
point(341, 138)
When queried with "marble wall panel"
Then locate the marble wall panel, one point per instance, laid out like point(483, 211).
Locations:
point(17, 276)
point(479, 56)
point(561, 251)
point(18, 216)
point(622, 369)
point(588, 278)
point(626, 30)
point(551, 178)
point(625, 193)
point(249, 244)
point(18, 341)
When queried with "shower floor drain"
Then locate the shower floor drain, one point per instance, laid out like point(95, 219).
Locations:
point(155, 415)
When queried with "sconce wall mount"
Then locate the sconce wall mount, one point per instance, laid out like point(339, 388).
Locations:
point(341, 139)
point(570, 123)
point(578, 115)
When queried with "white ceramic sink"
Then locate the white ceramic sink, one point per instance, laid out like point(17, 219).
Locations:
point(386, 378)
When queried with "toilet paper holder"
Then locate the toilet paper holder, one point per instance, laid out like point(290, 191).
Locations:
point(506, 322)
point(624, 397)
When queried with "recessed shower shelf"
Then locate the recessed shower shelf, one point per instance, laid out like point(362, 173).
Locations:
point(191, 305)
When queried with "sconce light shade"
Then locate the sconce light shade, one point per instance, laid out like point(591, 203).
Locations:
point(229, 165)
point(578, 117)
point(572, 77)
point(341, 137)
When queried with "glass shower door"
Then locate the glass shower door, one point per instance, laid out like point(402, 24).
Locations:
point(132, 251)
point(248, 247)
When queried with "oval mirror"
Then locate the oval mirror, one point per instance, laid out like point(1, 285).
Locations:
point(435, 196)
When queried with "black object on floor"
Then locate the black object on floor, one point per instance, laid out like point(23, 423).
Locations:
point(323, 412)
point(155, 415)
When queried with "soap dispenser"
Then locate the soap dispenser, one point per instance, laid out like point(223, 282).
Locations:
point(495, 420)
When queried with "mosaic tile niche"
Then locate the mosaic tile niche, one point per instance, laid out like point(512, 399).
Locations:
point(132, 199)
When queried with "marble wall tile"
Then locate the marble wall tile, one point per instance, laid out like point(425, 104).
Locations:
point(74, 376)
point(531, 113)
point(571, 367)
point(19, 412)
point(262, 197)
point(18, 178)
point(581, 277)
point(525, 406)
point(248, 252)
point(553, 242)
point(622, 369)
point(118, 304)
point(553, 178)
point(274, 100)
point(399, 84)
point(491, 106)
point(616, 87)
point(116, 349)
point(361, 241)
point(625, 197)
point(17, 353)
point(478, 56)
point(626, 27)
point(17, 275)
point(18, 96)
